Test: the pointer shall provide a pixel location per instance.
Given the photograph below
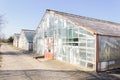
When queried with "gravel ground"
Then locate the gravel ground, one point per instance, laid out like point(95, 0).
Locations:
point(19, 66)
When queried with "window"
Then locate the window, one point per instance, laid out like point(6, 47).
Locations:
point(82, 63)
point(90, 65)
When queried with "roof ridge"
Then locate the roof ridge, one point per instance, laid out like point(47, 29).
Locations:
point(84, 17)
point(27, 30)
point(95, 26)
point(16, 33)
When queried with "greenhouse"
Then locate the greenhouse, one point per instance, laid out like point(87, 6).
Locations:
point(26, 39)
point(16, 40)
point(85, 42)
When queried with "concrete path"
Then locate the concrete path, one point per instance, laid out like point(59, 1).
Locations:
point(20, 66)
point(13, 59)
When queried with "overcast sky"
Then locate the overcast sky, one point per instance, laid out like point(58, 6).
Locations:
point(26, 14)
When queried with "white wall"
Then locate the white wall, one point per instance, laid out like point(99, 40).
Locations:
point(23, 44)
point(15, 42)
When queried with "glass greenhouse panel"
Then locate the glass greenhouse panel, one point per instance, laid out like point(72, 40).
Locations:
point(82, 31)
point(70, 33)
point(82, 40)
point(89, 34)
point(82, 55)
point(71, 43)
point(90, 65)
point(82, 44)
point(90, 57)
point(91, 50)
point(63, 33)
point(75, 32)
point(83, 63)
point(69, 25)
point(91, 43)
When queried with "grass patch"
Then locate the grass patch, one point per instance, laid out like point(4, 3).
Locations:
point(10, 44)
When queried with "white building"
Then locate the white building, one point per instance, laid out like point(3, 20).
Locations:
point(89, 43)
point(16, 40)
point(26, 39)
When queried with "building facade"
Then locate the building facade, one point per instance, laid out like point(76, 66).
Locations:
point(16, 40)
point(89, 43)
point(26, 39)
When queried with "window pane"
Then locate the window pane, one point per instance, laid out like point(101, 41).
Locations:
point(70, 33)
point(90, 65)
point(91, 43)
point(82, 44)
point(75, 32)
point(82, 63)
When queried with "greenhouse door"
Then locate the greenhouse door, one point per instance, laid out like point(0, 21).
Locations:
point(73, 55)
point(49, 47)
point(30, 46)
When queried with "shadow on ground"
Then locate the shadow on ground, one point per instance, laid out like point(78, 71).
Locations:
point(22, 52)
point(38, 74)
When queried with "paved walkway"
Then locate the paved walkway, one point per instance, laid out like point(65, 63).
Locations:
point(13, 59)
point(20, 66)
